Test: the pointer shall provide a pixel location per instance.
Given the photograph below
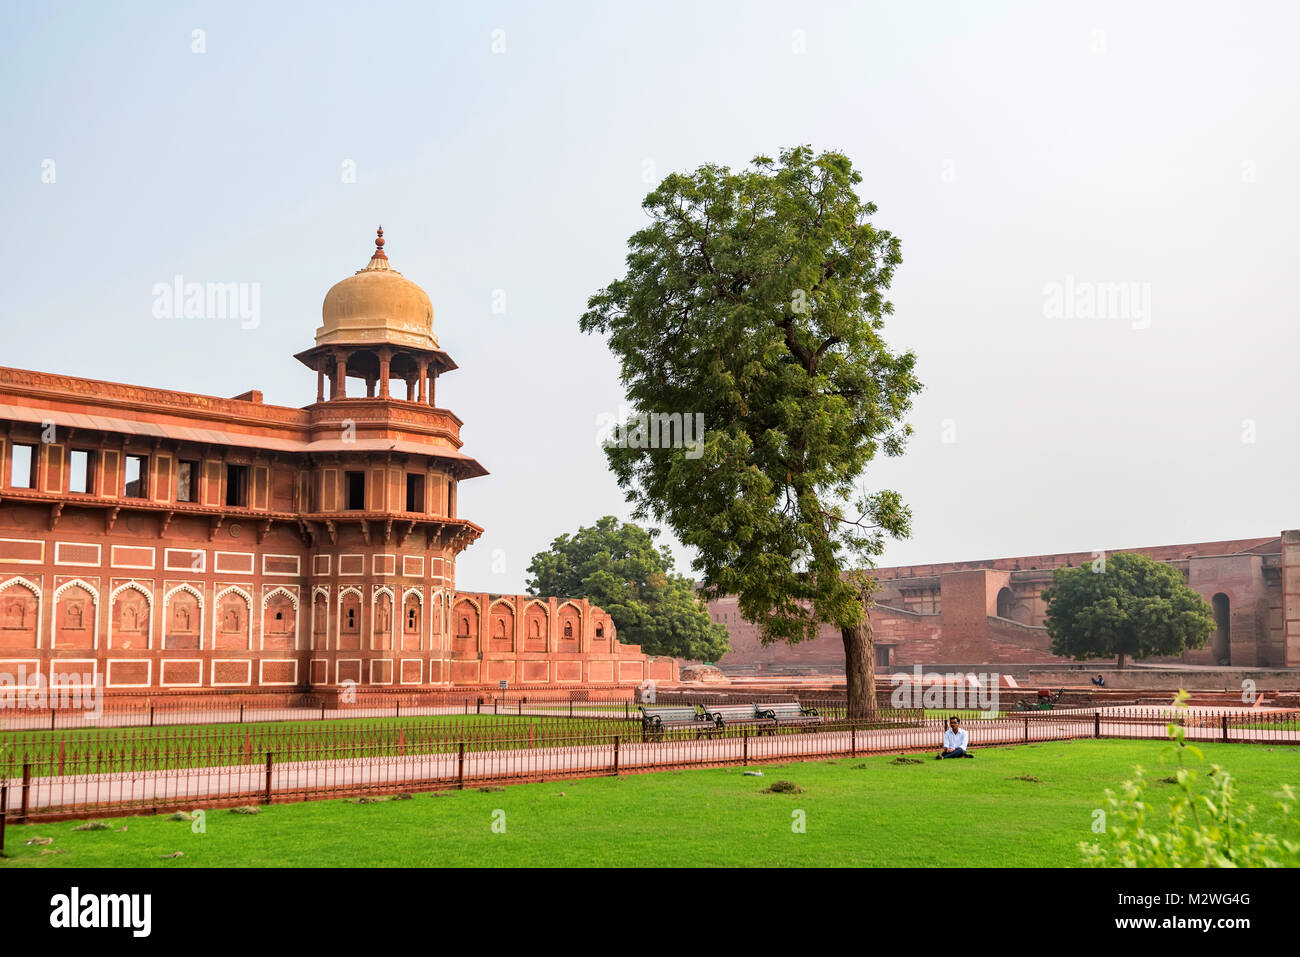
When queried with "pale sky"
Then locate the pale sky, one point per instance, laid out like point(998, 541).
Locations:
point(1017, 150)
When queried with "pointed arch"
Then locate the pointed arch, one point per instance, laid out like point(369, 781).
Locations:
point(381, 617)
point(277, 627)
point(569, 620)
point(169, 624)
point(537, 625)
point(320, 617)
point(279, 590)
point(438, 618)
point(348, 619)
point(148, 601)
point(466, 622)
point(502, 618)
point(90, 590)
point(413, 619)
point(19, 619)
point(227, 622)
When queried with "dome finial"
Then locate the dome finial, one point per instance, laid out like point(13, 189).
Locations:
point(379, 244)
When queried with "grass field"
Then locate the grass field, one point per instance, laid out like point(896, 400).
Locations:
point(858, 812)
point(964, 714)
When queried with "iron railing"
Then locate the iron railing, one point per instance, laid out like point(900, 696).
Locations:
point(45, 777)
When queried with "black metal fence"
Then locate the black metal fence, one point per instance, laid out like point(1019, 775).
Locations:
point(130, 771)
point(247, 708)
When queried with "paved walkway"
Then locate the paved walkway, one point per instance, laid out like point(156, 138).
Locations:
point(191, 787)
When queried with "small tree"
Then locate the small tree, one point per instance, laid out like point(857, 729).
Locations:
point(1124, 606)
point(619, 568)
point(754, 302)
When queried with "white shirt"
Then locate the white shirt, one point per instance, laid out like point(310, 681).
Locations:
point(955, 739)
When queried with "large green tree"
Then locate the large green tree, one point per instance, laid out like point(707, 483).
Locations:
point(1124, 606)
point(619, 568)
point(754, 302)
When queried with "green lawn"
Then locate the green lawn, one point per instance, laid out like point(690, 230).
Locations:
point(859, 812)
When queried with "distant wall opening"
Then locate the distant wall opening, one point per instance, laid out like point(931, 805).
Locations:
point(1220, 644)
point(1006, 602)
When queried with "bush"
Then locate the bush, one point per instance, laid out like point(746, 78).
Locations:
point(1206, 826)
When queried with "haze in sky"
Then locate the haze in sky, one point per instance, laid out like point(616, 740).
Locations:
point(1097, 206)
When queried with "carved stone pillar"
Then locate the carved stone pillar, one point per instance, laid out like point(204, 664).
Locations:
point(385, 357)
point(340, 376)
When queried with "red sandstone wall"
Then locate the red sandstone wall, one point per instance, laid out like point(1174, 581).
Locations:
point(190, 612)
point(948, 613)
point(1162, 553)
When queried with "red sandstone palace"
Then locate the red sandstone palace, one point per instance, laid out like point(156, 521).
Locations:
point(167, 541)
point(992, 612)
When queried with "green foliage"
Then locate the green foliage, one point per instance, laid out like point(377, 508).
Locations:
point(619, 568)
point(1124, 605)
point(1207, 825)
point(757, 300)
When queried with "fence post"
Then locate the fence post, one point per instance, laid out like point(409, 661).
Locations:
point(853, 741)
point(1225, 727)
point(399, 708)
point(1096, 724)
point(460, 767)
point(269, 757)
point(241, 712)
point(1026, 727)
point(27, 787)
point(322, 709)
point(4, 813)
point(615, 755)
point(52, 713)
point(151, 716)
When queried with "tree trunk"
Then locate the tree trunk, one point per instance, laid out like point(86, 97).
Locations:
point(860, 668)
point(1121, 660)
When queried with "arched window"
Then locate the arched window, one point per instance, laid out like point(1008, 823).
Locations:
point(1006, 602)
point(1221, 642)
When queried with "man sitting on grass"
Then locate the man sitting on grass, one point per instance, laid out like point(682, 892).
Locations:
point(954, 741)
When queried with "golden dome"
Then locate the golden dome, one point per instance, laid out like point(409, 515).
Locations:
point(377, 305)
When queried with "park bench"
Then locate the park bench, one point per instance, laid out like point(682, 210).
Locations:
point(789, 713)
point(735, 716)
point(654, 720)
